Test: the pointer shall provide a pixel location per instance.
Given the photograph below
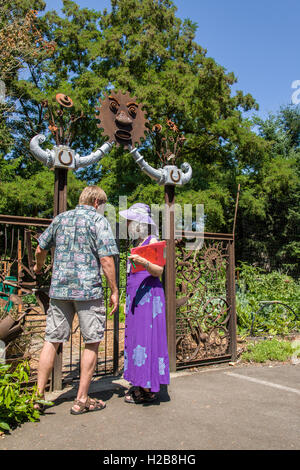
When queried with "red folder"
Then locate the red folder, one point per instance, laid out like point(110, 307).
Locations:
point(155, 253)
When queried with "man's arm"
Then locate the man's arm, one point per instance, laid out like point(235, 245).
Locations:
point(46, 240)
point(40, 258)
point(108, 266)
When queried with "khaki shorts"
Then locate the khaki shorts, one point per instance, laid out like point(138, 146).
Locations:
point(60, 315)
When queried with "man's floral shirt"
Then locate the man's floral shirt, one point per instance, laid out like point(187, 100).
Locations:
point(80, 237)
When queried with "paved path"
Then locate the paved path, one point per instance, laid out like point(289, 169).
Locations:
point(223, 407)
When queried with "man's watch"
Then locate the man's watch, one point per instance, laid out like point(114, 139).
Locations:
point(147, 264)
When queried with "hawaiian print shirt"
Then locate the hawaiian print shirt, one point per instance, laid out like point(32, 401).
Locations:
point(80, 237)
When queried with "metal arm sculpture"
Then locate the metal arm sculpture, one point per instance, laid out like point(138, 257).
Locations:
point(169, 174)
point(62, 156)
point(167, 149)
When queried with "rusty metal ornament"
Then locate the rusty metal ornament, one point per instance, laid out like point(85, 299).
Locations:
point(122, 119)
point(213, 258)
point(64, 100)
point(168, 149)
point(11, 328)
point(173, 178)
point(203, 315)
point(62, 156)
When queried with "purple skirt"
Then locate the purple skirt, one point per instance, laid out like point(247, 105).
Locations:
point(146, 360)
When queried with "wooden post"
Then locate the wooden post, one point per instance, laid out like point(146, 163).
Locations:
point(60, 191)
point(8, 268)
point(230, 279)
point(230, 297)
point(170, 276)
point(60, 205)
point(4, 269)
point(19, 272)
point(117, 313)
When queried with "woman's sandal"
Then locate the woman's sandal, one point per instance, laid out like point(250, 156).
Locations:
point(149, 396)
point(134, 396)
point(84, 407)
point(139, 395)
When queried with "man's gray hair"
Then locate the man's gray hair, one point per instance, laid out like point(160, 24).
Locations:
point(90, 194)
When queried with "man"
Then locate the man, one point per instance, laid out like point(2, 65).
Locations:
point(83, 241)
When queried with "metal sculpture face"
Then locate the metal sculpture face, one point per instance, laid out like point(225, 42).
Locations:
point(122, 119)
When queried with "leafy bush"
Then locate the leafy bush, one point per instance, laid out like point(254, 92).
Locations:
point(253, 289)
point(256, 287)
point(29, 299)
point(16, 401)
point(268, 350)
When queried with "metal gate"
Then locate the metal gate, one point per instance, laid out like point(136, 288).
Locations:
point(205, 300)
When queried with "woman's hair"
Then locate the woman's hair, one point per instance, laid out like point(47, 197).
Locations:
point(90, 194)
point(143, 229)
point(140, 230)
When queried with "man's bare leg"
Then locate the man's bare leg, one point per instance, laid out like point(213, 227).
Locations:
point(46, 363)
point(88, 364)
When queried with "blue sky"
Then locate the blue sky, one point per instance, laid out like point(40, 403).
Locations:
point(258, 40)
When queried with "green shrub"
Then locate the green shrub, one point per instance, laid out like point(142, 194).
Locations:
point(254, 288)
point(16, 401)
point(268, 350)
point(29, 299)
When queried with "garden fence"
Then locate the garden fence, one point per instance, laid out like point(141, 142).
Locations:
point(205, 301)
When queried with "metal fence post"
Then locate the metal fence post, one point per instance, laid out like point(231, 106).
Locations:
point(230, 297)
point(117, 313)
point(170, 277)
point(60, 205)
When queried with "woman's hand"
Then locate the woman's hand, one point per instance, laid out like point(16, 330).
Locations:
point(152, 268)
point(137, 259)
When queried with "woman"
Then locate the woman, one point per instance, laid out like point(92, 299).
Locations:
point(146, 360)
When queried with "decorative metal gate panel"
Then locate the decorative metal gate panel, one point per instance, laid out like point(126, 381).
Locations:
point(205, 300)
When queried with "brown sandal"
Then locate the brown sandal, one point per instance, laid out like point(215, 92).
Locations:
point(149, 396)
point(135, 396)
point(85, 407)
point(142, 397)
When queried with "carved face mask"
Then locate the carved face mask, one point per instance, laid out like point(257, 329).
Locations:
point(122, 119)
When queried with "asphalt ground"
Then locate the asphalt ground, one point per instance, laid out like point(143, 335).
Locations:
point(215, 408)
